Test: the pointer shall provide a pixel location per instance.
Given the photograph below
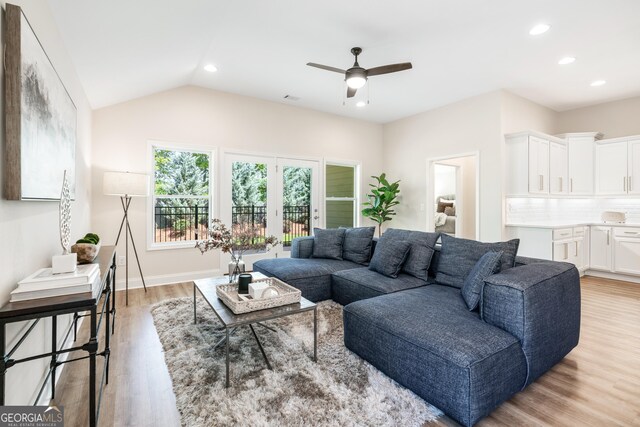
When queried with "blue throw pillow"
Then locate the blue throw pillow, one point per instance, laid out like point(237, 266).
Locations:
point(328, 243)
point(459, 256)
point(389, 256)
point(487, 265)
point(421, 252)
point(357, 244)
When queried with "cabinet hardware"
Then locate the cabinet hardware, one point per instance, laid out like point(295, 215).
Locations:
point(629, 186)
point(571, 184)
point(608, 231)
point(560, 179)
point(576, 249)
point(624, 184)
point(631, 232)
point(541, 182)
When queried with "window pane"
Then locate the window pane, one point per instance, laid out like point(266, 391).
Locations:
point(181, 173)
point(340, 181)
point(249, 196)
point(296, 209)
point(179, 220)
point(339, 213)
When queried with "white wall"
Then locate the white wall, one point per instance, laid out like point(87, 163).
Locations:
point(520, 114)
point(29, 230)
point(462, 128)
point(614, 119)
point(210, 119)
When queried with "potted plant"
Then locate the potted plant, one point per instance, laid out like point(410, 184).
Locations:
point(381, 200)
point(244, 237)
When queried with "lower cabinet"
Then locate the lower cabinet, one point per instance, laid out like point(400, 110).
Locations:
point(601, 248)
point(626, 250)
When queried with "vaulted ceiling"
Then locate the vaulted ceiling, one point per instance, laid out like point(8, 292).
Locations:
point(459, 48)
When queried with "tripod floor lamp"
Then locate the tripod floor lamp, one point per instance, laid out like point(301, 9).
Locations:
point(127, 185)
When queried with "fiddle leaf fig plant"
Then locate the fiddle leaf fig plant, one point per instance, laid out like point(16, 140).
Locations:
point(381, 200)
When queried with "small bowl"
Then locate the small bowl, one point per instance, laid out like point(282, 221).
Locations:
point(87, 252)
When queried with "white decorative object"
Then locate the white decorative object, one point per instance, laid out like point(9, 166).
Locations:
point(614, 216)
point(67, 262)
point(262, 290)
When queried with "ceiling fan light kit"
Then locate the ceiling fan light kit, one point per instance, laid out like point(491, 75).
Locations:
point(356, 76)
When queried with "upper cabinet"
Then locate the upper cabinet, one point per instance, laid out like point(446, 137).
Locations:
point(618, 166)
point(537, 164)
point(581, 161)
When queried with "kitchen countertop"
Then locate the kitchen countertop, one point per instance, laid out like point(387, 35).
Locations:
point(559, 224)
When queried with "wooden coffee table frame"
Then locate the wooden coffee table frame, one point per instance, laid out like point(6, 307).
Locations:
point(231, 321)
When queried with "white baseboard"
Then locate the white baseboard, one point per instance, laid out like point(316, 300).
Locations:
point(614, 276)
point(164, 279)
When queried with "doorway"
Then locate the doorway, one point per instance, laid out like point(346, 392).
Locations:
point(270, 196)
point(453, 195)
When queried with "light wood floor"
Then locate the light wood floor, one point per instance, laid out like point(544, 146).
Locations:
point(597, 384)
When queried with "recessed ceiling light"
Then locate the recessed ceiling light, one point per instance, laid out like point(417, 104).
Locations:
point(598, 83)
point(210, 68)
point(361, 104)
point(539, 29)
point(567, 60)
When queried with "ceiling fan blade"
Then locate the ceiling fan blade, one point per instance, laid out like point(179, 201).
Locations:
point(386, 69)
point(326, 67)
point(351, 92)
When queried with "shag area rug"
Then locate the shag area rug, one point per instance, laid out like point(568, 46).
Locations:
point(340, 389)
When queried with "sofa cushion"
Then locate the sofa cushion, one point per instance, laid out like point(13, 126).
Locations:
point(327, 243)
point(487, 265)
point(311, 275)
point(357, 244)
point(348, 286)
point(389, 256)
point(458, 256)
point(427, 340)
point(421, 252)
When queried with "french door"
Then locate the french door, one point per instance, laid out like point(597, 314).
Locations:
point(267, 196)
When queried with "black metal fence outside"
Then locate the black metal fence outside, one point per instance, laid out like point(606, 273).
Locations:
point(185, 223)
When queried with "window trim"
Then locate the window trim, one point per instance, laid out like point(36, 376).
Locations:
point(356, 188)
point(150, 220)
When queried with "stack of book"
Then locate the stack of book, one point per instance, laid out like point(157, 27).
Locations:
point(44, 284)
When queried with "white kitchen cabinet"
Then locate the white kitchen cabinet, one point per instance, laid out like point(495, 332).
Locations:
point(633, 167)
point(538, 165)
point(611, 168)
point(601, 244)
point(558, 169)
point(581, 161)
point(528, 165)
point(626, 250)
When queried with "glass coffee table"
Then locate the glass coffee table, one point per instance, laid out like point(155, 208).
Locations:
point(231, 321)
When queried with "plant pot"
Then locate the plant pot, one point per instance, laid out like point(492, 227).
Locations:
point(87, 252)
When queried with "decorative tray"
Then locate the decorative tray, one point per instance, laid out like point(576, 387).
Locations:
point(228, 293)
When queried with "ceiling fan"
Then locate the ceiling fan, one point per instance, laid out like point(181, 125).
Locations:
point(356, 76)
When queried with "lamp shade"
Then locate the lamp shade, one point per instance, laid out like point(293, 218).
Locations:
point(125, 184)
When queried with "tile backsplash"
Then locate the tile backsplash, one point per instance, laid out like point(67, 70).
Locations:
point(532, 210)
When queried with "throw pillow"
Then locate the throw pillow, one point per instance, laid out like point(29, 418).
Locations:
point(450, 211)
point(421, 252)
point(357, 244)
point(458, 256)
point(487, 265)
point(389, 256)
point(442, 204)
point(328, 243)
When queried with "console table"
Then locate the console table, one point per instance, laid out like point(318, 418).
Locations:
point(98, 309)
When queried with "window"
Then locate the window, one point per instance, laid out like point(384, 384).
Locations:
point(341, 209)
point(181, 201)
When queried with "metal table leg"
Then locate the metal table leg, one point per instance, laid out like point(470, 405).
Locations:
point(266, 359)
point(194, 303)
point(92, 347)
point(227, 361)
point(315, 334)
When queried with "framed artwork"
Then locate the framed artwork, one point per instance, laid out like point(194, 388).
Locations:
point(40, 131)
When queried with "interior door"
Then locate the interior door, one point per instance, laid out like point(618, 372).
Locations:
point(248, 201)
point(298, 204)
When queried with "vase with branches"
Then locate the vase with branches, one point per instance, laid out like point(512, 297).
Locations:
point(381, 200)
point(236, 242)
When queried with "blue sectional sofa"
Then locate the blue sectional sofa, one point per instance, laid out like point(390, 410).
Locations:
point(423, 335)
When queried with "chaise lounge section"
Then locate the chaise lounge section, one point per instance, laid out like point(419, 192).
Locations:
point(421, 332)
